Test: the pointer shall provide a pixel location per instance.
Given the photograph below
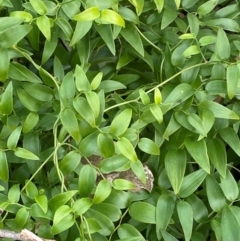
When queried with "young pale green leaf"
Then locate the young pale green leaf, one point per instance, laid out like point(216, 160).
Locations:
point(185, 214)
point(113, 17)
point(187, 36)
point(191, 182)
point(229, 187)
point(82, 205)
point(157, 96)
point(169, 15)
point(30, 122)
point(87, 15)
point(64, 224)
point(103, 190)
point(4, 171)
point(44, 26)
point(143, 212)
point(61, 213)
point(217, 155)
point(14, 193)
point(122, 184)
point(157, 113)
point(13, 138)
point(232, 80)
point(206, 40)
point(27, 17)
point(138, 4)
point(82, 82)
point(159, 5)
point(175, 164)
point(230, 227)
point(200, 211)
point(164, 210)
point(86, 181)
point(4, 64)
point(42, 202)
point(23, 153)
point(207, 7)
point(126, 148)
point(231, 138)
point(144, 97)
point(106, 145)
point(222, 47)
point(121, 122)
point(215, 195)
point(39, 6)
point(218, 110)
point(70, 162)
point(192, 50)
point(138, 170)
point(96, 81)
point(93, 101)
point(133, 38)
point(196, 147)
point(148, 146)
point(196, 122)
point(70, 123)
point(6, 104)
point(177, 2)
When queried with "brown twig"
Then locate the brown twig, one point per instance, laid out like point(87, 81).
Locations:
point(25, 235)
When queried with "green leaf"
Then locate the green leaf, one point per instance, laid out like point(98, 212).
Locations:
point(144, 97)
point(21, 218)
point(187, 36)
point(138, 170)
point(65, 27)
point(225, 23)
point(164, 210)
point(103, 190)
point(113, 17)
point(23, 153)
point(64, 224)
point(197, 123)
point(206, 40)
point(159, 5)
point(157, 113)
point(13, 138)
point(192, 50)
point(6, 104)
point(138, 4)
point(222, 45)
point(70, 123)
point(70, 162)
point(94, 102)
point(82, 205)
point(127, 231)
point(143, 212)
point(121, 122)
point(25, 16)
point(175, 164)
point(191, 182)
point(230, 227)
point(42, 202)
point(232, 80)
point(218, 110)
point(185, 214)
point(106, 145)
point(14, 193)
point(87, 15)
point(67, 89)
point(49, 48)
point(86, 181)
point(196, 147)
point(122, 184)
point(8, 39)
point(148, 146)
point(133, 38)
point(30, 122)
point(217, 155)
point(229, 187)
point(96, 81)
point(111, 85)
point(82, 82)
point(44, 26)
point(4, 64)
point(169, 15)
point(61, 213)
point(126, 148)
point(39, 6)
point(167, 236)
point(206, 7)
point(4, 171)
point(215, 195)
point(193, 23)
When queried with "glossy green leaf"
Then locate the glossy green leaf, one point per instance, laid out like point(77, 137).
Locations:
point(113, 17)
point(90, 226)
point(159, 5)
point(106, 145)
point(61, 213)
point(157, 113)
point(4, 64)
point(167, 236)
point(126, 148)
point(164, 211)
point(6, 104)
point(222, 45)
point(207, 118)
point(194, 148)
point(206, 40)
point(169, 15)
point(64, 224)
point(185, 214)
point(138, 4)
point(39, 6)
point(215, 195)
point(49, 48)
point(232, 80)
point(229, 187)
point(13, 138)
point(192, 50)
point(217, 155)
point(82, 205)
point(94, 102)
point(42, 202)
point(14, 193)
point(225, 23)
point(111, 85)
point(23, 153)
point(96, 81)
point(21, 218)
point(148, 146)
point(127, 231)
point(138, 170)
point(65, 27)
point(44, 26)
point(206, 7)
point(86, 181)
point(218, 110)
point(4, 171)
point(143, 212)
point(191, 182)
point(103, 190)
point(30, 122)
point(197, 123)
point(175, 164)
point(67, 88)
point(87, 15)
point(193, 23)
point(144, 97)
point(82, 82)
point(122, 184)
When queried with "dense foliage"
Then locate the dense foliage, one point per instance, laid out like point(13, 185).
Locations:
point(134, 84)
